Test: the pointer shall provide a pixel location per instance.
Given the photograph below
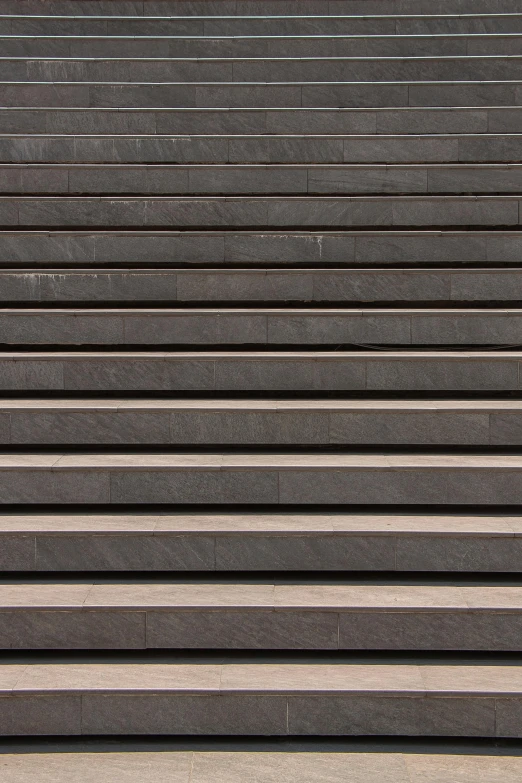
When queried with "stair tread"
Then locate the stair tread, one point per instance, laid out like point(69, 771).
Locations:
point(216, 597)
point(349, 405)
point(371, 765)
point(385, 523)
point(193, 462)
point(410, 680)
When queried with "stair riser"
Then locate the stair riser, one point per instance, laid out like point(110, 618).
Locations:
point(251, 714)
point(189, 551)
point(294, 150)
point(468, 93)
point(255, 328)
point(215, 121)
point(482, 486)
point(294, 180)
point(247, 47)
point(419, 69)
point(204, 373)
point(272, 213)
point(245, 249)
point(280, 8)
point(250, 629)
point(213, 287)
point(258, 428)
point(265, 26)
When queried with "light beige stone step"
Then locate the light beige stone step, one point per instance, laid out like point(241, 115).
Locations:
point(342, 478)
point(373, 766)
point(261, 699)
point(259, 616)
point(254, 422)
point(269, 541)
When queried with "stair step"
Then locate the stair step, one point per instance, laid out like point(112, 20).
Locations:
point(269, 91)
point(274, 212)
point(261, 699)
point(399, 120)
point(101, 43)
point(242, 371)
point(275, 541)
point(323, 285)
point(81, 179)
point(214, 616)
point(292, 478)
point(233, 326)
point(251, 422)
point(293, 248)
point(242, 8)
point(295, 149)
point(252, 26)
point(371, 765)
point(90, 70)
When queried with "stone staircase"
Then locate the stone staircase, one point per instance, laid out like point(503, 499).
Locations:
point(260, 373)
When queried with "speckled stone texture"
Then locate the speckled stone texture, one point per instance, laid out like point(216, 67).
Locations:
point(260, 378)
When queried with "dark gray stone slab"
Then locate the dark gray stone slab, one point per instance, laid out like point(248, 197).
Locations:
point(73, 629)
point(107, 552)
point(245, 629)
point(379, 715)
point(197, 714)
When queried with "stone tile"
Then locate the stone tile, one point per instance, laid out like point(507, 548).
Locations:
point(17, 553)
point(309, 767)
point(35, 248)
point(288, 248)
point(248, 427)
point(194, 597)
point(409, 428)
point(448, 211)
point(401, 149)
point(385, 716)
point(61, 328)
point(281, 552)
point(228, 286)
point(327, 122)
point(147, 375)
point(354, 180)
point(506, 429)
point(125, 552)
point(40, 715)
point(404, 487)
point(429, 631)
point(159, 248)
point(443, 375)
point(47, 630)
point(50, 487)
point(194, 487)
point(136, 767)
point(312, 679)
point(424, 768)
point(124, 677)
point(443, 121)
point(479, 553)
point(242, 629)
point(194, 327)
point(349, 95)
point(263, 375)
point(247, 180)
point(184, 714)
point(409, 247)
